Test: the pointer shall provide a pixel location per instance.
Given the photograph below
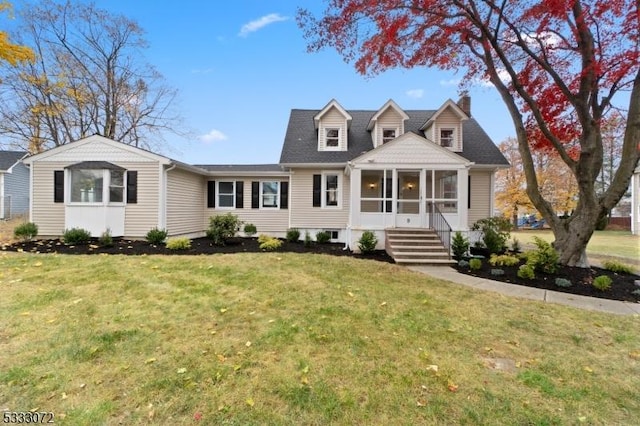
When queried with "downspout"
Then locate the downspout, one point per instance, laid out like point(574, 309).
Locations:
point(347, 172)
point(2, 196)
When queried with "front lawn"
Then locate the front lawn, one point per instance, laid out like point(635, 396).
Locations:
point(285, 338)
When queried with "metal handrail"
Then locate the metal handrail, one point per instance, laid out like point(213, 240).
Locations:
point(439, 224)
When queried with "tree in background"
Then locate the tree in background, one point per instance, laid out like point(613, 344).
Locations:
point(511, 184)
point(558, 66)
point(10, 52)
point(89, 77)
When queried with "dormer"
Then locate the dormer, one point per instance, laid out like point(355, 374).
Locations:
point(332, 124)
point(387, 123)
point(445, 125)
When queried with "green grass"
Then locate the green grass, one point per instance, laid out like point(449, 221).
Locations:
point(620, 245)
point(291, 339)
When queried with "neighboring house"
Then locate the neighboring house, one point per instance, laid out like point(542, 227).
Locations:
point(635, 201)
point(14, 184)
point(342, 171)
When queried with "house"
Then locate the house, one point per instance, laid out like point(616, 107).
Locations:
point(341, 171)
point(635, 201)
point(14, 184)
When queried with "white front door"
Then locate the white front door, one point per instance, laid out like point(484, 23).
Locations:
point(409, 206)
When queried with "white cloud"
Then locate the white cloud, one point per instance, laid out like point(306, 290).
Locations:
point(202, 71)
point(260, 23)
point(415, 93)
point(213, 136)
point(451, 82)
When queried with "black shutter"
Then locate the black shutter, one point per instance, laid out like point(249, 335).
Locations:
point(58, 186)
point(239, 194)
point(317, 190)
point(284, 195)
point(255, 195)
point(132, 187)
point(468, 192)
point(211, 194)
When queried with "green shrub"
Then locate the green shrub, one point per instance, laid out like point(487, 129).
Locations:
point(495, 233)
point(250, 229)
point(617, 267)
point(463, 264)
point(563, 282)
point(497, 272)
point(182, 243)
point(156, 236)
point(293, 235)
point(323, 237)
point(74, 236)
point(106, 240)
point(223, 227)
point(636, 292)
point(503, 260)
point(526, 272)
point(26, 231)
point(268, 243)
point(307, 239)
point(459, 245)
point(545, 258)
point(602, 282)
point(475, 264)
point(367, 242)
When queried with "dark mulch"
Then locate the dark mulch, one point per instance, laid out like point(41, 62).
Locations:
point(622, 287)
point(198, 246)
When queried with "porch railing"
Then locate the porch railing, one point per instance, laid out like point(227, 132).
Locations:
point(439, 224)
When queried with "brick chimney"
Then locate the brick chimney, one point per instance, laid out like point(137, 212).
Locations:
point(465, 103)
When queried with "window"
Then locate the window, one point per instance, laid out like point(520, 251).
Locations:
point(446, 137)
point(226, 194)
point(269, 194)
point(331, 190)
point(376, 191)
point(332, 137)
point(116, 186)
point(388, 135)
point(86, 185)
point(447, 190)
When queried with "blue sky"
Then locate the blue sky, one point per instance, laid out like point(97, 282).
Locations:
point(240, 67)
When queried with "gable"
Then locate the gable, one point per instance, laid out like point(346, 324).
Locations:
point(410, 148)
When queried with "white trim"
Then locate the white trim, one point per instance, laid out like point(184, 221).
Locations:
point(1, 195)
point(492, 188)
point(448, 104)
point(323, 190)
point(261, 193)
point(389, 104)
point(332, 103)
point(233, 194)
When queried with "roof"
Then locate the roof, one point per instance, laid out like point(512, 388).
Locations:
point(241, 167)
point(301, 139)
point(9, 158)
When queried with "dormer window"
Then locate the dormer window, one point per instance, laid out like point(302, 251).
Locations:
point(388, 135)
point(446, 138)
point(332, 137)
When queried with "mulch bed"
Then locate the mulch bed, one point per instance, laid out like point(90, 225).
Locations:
point(623, 286)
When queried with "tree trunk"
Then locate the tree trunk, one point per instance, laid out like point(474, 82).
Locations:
point(573, 234)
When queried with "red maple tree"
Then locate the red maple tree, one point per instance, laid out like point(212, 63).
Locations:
point(558, 65)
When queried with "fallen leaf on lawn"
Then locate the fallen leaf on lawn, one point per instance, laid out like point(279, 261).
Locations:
point(75, 302)
point(223, 310)
point(150, 360)
point(25, 314)
point(351, 294)
point(452, 386)
point(247, 344)
point(64, 395)
point(304, 380)
point(197, 416)
point(221, 358)
point(432, 368)
point(635, 354)
point(588, 369)
point(383, 304)
point(250, 402)
point(182, 370)
point(421, 403)
point(37, 264)
point(582, 419)
point(513, 342)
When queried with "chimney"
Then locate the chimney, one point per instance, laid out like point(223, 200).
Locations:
point(465, 103)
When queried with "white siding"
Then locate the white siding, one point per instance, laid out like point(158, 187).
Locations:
point(333, 119)
point(49, 216)
point(142, 216)
point(449, 120)
point(304, 215)
point(185, 198)
point(390, 119)
point(480, 195)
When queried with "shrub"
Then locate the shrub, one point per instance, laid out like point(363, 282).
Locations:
point(268, 243)
point(250, 229)
point(602, 282)
point(293, 235)
point(156, 236)
point(222, 227)
point(617, 267)
point(562, 282)
point(75, 236)
point(106, 240)
point(545, 258)
point(515, 246)
point(463, 264)
point(459, 245)
point(307, 239)
point(503, 260)
point(475, 264)
point(182, 243)
point(323, 237)
point(497, 272)
point(367, 242)
point(26, 231)
point(495, 233)
point(526, 272)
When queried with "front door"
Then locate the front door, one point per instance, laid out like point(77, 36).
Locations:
point(409, 212)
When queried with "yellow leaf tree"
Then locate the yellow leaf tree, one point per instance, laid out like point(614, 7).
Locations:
point(10, 52)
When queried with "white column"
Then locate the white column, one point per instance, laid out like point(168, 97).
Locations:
point(463, 194)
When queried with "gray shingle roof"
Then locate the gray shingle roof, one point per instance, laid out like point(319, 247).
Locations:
point(301, 140)
point(9, 158)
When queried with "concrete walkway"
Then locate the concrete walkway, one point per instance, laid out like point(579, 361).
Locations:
point(583, 302)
